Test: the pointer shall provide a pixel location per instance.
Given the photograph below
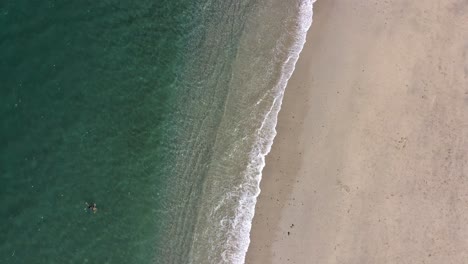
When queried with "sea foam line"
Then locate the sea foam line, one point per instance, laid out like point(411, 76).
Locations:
point(239, 236)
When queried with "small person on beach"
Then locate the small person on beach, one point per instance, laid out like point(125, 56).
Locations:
point(92, 207)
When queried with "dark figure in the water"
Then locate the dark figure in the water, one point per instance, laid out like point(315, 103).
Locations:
point(92, 207)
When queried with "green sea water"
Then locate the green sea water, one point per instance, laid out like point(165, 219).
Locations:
point(160, 112)
point(86, 90)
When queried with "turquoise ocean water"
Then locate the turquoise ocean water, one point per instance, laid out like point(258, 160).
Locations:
point(160, 112)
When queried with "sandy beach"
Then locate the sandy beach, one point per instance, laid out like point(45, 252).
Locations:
point(370, 162)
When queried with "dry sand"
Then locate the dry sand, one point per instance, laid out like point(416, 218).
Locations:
point(370, 163)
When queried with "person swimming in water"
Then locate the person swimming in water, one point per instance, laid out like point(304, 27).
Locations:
point(92, 207)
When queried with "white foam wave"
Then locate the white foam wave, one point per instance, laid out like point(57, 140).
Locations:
point(238, 237)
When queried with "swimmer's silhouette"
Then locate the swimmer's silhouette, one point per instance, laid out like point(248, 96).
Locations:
point(92, 207)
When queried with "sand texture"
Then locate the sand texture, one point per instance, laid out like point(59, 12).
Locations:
point(370, 162)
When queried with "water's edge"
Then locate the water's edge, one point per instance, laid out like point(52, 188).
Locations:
point(267, 132)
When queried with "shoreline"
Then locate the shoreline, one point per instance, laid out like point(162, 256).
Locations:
point(368, 163)
point(267, 49)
